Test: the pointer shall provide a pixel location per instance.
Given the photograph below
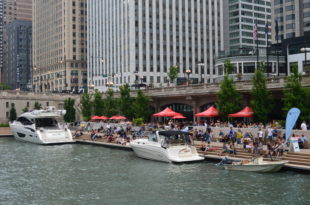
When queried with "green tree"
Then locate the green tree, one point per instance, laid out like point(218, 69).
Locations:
point(262, 102)
point(228, 67)
point(141, 106)
point(86, 106)
point(4, 86)
point(296, 96)
point(228, 98)
point(13, 114)
point(37, 106)
point(25, 109)
point(98, 104)
point(173, 73)
point(125, 102)
point(110, 104)
point(70, 110)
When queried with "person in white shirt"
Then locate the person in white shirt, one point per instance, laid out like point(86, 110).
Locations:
point(303, 126)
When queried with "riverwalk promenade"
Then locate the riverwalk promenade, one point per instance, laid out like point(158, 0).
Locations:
point(298, 161)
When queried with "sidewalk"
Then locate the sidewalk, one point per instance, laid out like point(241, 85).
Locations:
point(5, 131)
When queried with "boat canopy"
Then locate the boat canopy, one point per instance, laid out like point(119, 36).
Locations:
point(172, 133)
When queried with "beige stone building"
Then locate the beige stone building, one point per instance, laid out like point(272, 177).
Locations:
point(59, 45)
point(293, 18)
point(12, 10)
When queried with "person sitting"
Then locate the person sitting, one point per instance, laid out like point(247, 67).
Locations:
point(225, 149)
point(232, 149)
point(93, 135)
point(302, 141)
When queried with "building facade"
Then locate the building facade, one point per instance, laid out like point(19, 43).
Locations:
point(1, 39)
point(243, 15)
point(12, 10)
point(59, 45)
point(19, 46)
point(135, 40)
point(293, 18)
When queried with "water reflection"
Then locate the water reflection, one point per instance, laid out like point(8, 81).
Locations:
point(80, 174)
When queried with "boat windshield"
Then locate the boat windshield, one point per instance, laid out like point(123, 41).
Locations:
point(175, 138)
point(46, 122)
point(153, 137)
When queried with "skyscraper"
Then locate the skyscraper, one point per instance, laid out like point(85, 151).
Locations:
point(245, 17)
point(59, 45)
point(293, 18)
point(133, 40)
point(12, 10)
point(19, 55)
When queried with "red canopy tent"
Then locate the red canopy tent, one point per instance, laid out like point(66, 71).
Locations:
point(103, 117)
point(210, 112)
point(179, 117)
point(117, 117)
point(246, 112)
point(96, 118)
point(166, 113)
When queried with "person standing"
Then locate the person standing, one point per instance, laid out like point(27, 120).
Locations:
point(303, 126)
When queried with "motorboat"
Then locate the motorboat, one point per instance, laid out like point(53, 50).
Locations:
point(41, 127)
point(254, 165)
point(166, 146)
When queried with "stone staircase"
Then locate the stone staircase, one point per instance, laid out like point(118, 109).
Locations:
point(298, 159)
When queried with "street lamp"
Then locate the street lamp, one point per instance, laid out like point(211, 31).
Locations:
point(110, 83)
point(201, 69)
point(188, 72)
point(305, 49)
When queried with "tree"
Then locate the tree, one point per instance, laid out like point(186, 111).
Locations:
point(25, 109)
point(70, 110)
point(296, 96)
point(228, 67)
point(229, 99)
point(110, 104)
point(4, 86)
point(173, 73)
point(37, 106)
point(98, 104)
point(262, 102)
point(13, 114)
point(141, 106)
point(125, 102)
point(86, 106)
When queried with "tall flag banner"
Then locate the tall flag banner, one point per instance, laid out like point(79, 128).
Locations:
point(291, 119)
point(255, 32)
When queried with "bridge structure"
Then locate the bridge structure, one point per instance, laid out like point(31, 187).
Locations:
point(196, 98)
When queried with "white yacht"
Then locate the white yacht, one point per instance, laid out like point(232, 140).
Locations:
point(166, 146)
point(41, 127)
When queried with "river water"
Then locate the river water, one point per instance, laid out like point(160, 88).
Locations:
point(83, 174)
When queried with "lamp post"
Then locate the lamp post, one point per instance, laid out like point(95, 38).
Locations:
point(305, 49)
point(109, 84)
point(91, 85)
point(65, 72)
point(188, 72)
point(34, 70)
point(201, 64)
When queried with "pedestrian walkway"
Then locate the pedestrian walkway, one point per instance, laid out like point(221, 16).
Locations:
point(5, 132)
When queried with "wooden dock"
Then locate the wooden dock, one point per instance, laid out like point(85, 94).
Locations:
point(5, 132)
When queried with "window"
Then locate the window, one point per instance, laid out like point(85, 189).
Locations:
point(7, 104)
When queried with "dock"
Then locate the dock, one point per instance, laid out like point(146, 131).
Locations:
point(5, 132)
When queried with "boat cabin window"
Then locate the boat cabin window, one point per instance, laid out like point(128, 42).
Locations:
point(46, 122)
point(153, 137)
point(176, 139)
point(24, 121)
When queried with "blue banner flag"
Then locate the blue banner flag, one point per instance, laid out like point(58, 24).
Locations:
point(291, 119)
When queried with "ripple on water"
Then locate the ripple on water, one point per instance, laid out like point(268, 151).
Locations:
point(78, 174)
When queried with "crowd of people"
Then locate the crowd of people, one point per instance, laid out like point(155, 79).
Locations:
point(270, 135)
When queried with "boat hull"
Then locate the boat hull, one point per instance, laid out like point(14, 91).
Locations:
point(275, 167)
point(45, 137)
point(176, 154)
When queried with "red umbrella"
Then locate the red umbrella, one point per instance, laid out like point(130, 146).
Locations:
point(166, 113)
point(117, 117)
point(179, 117)
point(210, 112)
point(103, 117)
point(96, 118)
point(246, 112)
